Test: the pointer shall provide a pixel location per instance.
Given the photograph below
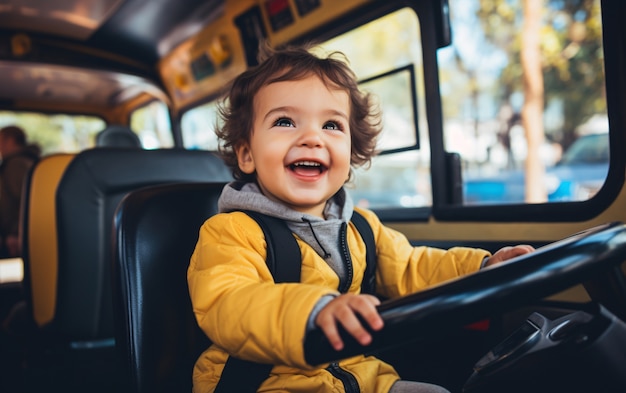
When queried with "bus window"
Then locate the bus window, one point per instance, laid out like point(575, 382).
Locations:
point(56, 133)
point(152, 124)
point(389, 67)
point(524, 100)
point(198, 127)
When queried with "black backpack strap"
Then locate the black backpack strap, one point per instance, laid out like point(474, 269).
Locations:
point(283, 253)
point(242, 376)
point(365, 230)
point(284, 261)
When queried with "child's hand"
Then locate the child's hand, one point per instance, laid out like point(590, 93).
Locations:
point(509, 252)
point(344, 309)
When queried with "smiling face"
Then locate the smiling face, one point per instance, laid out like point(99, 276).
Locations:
point(300, 143)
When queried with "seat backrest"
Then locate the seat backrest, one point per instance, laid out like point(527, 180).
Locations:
point(156, 332)
point(88, 194)
point(117, 135)
point(39, 235)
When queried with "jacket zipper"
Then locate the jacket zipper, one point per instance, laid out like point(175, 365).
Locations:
point(350, 384)
point(344, 285)
point(348, 380)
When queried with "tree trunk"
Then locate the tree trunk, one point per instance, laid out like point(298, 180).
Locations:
point(532, 111)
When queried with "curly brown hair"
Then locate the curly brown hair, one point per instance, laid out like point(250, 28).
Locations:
point(288, 64)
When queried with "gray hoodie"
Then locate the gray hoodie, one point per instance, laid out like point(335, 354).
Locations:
point(321, 234)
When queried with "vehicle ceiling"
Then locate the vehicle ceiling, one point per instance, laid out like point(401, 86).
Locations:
point(41, 47)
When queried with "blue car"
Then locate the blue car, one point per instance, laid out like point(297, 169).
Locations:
point(577, 176)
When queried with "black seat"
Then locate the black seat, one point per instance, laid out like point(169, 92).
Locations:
point(88, 194)
point(74, 322)
point(156, 332)
point(117, 135)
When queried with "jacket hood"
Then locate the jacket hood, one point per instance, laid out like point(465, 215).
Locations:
point(248, 196)
point(321, 234)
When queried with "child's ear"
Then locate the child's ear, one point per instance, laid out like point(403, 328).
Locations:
point(245, 159)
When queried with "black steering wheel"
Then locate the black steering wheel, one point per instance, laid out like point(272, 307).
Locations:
point(550, 269)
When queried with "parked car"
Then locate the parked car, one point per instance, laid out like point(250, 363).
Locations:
point(577, 176)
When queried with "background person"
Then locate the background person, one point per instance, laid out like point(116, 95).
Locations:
point(17, 159)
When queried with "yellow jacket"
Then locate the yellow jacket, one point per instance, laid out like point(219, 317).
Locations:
point(246, 314)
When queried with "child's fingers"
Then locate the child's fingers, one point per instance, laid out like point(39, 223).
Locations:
point(326, 322)
point(518, 250)
point(344, 310)
point(348, 319)
point(365, 305)
point(509, 252)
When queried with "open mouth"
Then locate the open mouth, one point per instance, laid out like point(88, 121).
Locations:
point(308, 168)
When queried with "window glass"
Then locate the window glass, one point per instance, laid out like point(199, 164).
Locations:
point(392, 92)
point(152, 124)
point(393, 44)
point(198, 127)
point(524, 101)
point(56, 133)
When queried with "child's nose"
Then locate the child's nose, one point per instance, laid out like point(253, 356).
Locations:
point(311, 137)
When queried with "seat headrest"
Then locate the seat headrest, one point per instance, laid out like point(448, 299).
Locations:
point(118, 136)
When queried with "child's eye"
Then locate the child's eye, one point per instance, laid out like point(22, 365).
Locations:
point(331, 125)
point(284, 122)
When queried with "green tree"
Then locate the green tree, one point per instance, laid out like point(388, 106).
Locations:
point(571, 56)
point(557, 58)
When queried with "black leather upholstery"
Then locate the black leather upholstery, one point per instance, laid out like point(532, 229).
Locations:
point(88, 194)
point(116, 135)
point(157, 230)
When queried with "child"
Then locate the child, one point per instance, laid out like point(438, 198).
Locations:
point(294, 127)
